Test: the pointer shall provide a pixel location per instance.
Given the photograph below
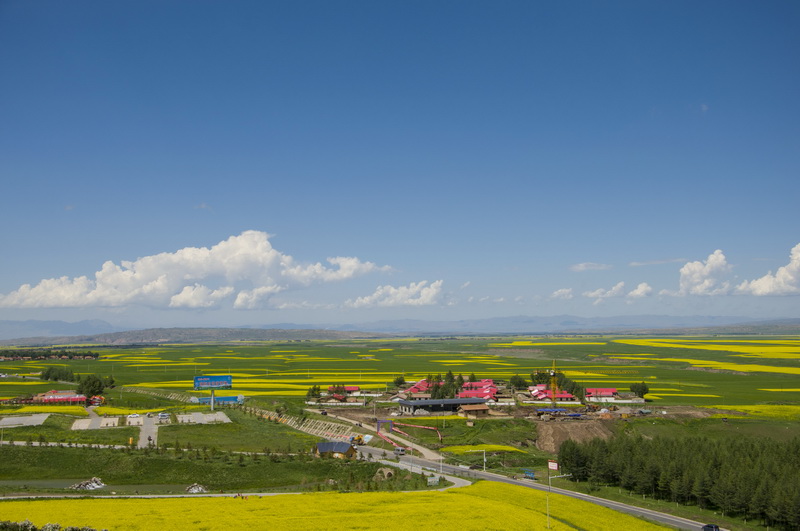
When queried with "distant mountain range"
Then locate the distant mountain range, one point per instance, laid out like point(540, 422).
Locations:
point(18, 329)
point(543, 325)
point(100, 332)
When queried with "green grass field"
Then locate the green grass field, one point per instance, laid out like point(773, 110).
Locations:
point(147, 470)
point(246, 433)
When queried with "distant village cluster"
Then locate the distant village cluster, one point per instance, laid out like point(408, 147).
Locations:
point(476, 397)
point(46, 354)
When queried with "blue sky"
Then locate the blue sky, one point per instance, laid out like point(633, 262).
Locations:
point(237, 163)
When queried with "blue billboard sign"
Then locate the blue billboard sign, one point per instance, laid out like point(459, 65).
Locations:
point(208, 383)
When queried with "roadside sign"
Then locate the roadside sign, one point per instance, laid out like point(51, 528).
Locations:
point(552, 465)
point(207, 383)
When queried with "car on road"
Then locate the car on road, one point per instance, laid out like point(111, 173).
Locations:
point(133, 416)
point(163, 416)
point(711, 527)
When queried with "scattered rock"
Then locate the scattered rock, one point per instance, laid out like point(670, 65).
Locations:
point(89, 484)
point(196, 488)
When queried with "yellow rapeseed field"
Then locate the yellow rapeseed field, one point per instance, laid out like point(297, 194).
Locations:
point(542, 344)
point(766, 349)
point(484, 505)
point(479, 448)
point(721, 365)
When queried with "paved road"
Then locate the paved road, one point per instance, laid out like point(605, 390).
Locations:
point(439, 466)
point(432, 461)
point(425, 452)
point(148, 433)
point(36, 419)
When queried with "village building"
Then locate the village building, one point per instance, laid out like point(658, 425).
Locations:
point(410, 396)
point(336, 450)
point(480, 384)
point(442, 405)
point(422, 386)
point(486, 394)
point(346, 390)
point(59, 397)
point(473, 411)
point(601, 394)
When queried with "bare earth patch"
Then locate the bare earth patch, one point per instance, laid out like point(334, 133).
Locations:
point(553, 433)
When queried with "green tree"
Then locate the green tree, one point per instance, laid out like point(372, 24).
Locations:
point(518, 382)
point(640, 389)
point(313, 392)
point(400, 381)
point(91, 385)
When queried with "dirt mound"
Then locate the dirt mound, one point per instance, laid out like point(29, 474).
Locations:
point(550, 435)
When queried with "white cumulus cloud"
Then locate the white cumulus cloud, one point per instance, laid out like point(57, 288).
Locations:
point(199, 296)
point(245, 268)
point(600, 294)
point(563, 293)
point(642, 290)
point(785, 281)
point(704, 278)
point(589, 266)
point(415, 294)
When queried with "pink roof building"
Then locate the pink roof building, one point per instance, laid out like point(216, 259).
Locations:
point(421, 386)
point(480, 384)
point(547, 394)
point(601, 392)
point(488, 394)
point(345, 388)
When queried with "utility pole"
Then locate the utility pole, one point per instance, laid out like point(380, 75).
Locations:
point(551, 465)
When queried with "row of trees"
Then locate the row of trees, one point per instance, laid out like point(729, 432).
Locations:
point(449, 386)
point(564, 383)
point(58, 374)
point(749, 478)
